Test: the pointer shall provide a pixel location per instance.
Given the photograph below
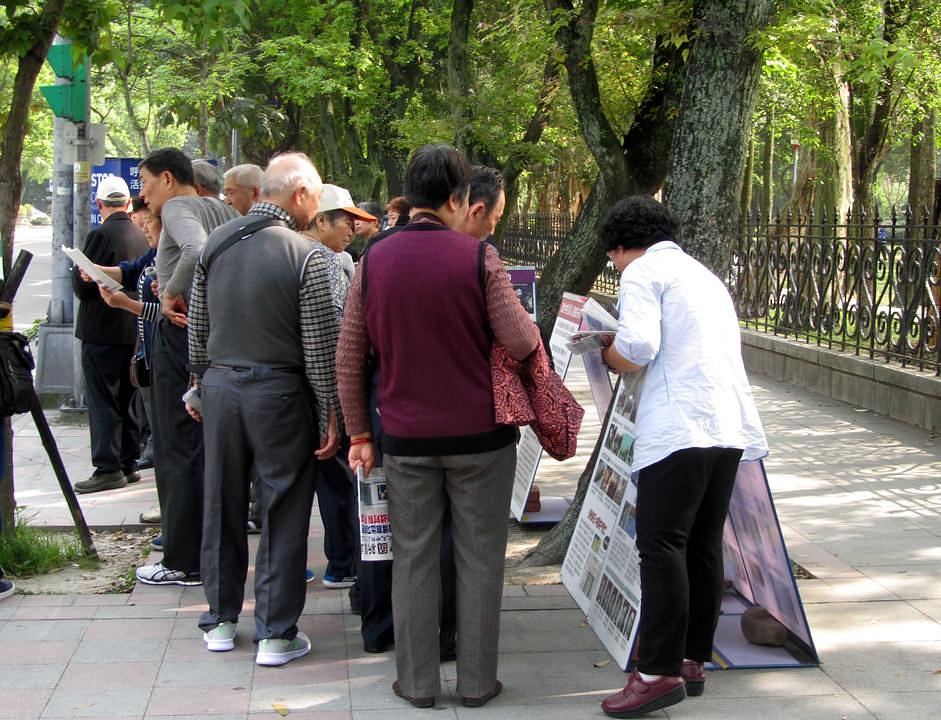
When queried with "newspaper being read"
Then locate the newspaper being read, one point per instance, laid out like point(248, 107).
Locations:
point(597, 331)
point(79, 258)
point(375, 536)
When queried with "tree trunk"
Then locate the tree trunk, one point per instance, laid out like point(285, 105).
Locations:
point(12, 139)
point(921, 178)
point(767, 169)
point(870, 122)
point(632, 165)
point(707, 158)
point(459, 77)
point(124, 75)
point(834, 168)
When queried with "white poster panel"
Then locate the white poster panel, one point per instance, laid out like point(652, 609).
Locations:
point(375, 535)
point(610, 491)
point(529, 451)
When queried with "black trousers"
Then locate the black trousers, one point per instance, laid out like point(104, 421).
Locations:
point(258, 422)
point(682, 503)
point(115, 434)
point(178, 450)
point(336, 498)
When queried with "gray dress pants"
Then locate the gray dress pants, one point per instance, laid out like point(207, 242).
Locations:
point(478, 487)
point(257, 422)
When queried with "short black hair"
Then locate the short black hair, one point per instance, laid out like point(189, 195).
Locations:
point(637, 221)
point(138, 203)
point(171, 160)
point(485, 186)
point(436, 173)
point(331, 216)
point(371, 207)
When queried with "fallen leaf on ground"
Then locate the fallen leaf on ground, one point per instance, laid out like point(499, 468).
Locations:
point(282, 710)
point(602, 663)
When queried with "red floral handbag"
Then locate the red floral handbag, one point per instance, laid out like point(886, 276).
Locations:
point(530, 392)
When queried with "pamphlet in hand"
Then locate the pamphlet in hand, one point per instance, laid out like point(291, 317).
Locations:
point(597, 331)
point(375, 537)
point(80, 259)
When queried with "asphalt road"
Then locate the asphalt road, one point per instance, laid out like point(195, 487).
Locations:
point(32, 299)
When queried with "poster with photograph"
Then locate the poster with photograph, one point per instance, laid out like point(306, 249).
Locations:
point(528, 450)
point(375, 536)
point(601, 567)
point(523, 279)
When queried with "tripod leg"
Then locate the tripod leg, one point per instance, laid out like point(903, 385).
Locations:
point(52, 451)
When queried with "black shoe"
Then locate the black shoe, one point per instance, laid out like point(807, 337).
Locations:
point(379, 648)
point(131, 475)
point(144, 464)
point(483, 700)
point(419, 702)
point(99, 481)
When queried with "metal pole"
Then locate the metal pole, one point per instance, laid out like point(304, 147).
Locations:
point(235, 147)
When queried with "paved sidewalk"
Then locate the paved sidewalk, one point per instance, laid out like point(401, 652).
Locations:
point(858, 495)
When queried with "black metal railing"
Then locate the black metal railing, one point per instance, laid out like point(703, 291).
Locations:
point(534, 238)
point(862, 285)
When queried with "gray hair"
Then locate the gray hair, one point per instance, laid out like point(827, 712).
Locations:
point(247, 175)
point(207, 175)
point(289, 171)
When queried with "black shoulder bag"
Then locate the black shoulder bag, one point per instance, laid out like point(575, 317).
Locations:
point(16, 374)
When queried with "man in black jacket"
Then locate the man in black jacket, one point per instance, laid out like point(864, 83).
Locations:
point(108, 336)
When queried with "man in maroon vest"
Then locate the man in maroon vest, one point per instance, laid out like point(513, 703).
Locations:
point(435, 299)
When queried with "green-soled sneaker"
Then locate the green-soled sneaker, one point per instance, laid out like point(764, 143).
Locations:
point(221, 638)
point(278, 651)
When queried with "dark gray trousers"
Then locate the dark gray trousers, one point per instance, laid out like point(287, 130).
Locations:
point(257, 422)
point(478, 487)
point(178, 450)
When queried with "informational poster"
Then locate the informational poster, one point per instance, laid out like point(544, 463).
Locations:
point(374, 532)
point(523, 279)
point(529, 451)
point(126, 168)
point(601, 567)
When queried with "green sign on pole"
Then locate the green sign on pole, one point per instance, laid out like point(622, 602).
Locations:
point(68, 100)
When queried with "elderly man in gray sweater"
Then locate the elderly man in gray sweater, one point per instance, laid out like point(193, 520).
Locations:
point(269, 402)
point(167, 187)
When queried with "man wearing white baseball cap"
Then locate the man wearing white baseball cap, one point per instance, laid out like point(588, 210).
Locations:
point(331, 231)
point(108, 336)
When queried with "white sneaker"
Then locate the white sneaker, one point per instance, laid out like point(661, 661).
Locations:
point(221, 638)
point(338, 582)
point(159, 574)
point(278, 651)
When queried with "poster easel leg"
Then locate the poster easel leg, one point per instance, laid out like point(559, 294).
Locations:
point(52, 452)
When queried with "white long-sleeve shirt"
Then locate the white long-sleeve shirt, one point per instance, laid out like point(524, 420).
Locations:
point(677, 319)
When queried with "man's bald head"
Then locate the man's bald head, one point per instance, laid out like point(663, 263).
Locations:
point(292, 182)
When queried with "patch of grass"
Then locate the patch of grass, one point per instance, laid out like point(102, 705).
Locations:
point(27, 550)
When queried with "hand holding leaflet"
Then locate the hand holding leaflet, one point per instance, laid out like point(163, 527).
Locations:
point(597, 330)
point(80, 259)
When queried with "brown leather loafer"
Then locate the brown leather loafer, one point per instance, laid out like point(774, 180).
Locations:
point(694, 673)
point(419, 702)
point(484, 699)
point(640, 697)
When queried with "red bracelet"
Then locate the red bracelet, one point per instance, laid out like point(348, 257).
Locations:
point(360, 441)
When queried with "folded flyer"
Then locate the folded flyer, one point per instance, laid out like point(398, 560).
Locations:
point(81, 259)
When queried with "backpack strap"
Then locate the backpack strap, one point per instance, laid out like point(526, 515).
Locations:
point(242, 233)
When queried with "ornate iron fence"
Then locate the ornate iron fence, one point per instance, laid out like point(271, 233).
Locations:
point(866, 286)
point(533, 239)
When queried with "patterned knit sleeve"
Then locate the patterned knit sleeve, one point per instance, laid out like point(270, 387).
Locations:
point(319, 329)
point(512, 326)
point(197, 323)
point(352, 360)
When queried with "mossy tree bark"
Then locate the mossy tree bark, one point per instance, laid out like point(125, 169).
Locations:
point(707, 158)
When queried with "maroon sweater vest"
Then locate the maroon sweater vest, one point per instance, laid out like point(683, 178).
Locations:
point(427, 321)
